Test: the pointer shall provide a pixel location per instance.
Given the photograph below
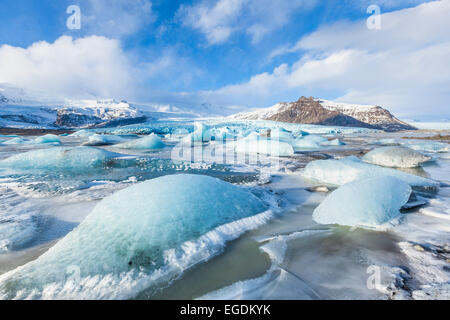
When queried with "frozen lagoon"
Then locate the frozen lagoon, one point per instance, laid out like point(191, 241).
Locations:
point(289, 256)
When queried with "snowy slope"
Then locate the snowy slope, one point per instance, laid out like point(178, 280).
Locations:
point(366, 114)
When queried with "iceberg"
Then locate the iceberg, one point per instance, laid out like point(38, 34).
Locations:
point(387, 141)
point(16, 141)
point(102, 140)
point(334, 142)
point(395, 157)
point(339, 172)
point(201, 133)
point(82, 133)
point(48, 138)
point(138, 236)
point(368, 202)
point(254, 144)
point(60, 158)
point(149, 142)
point(309, 142)
point(281, 135)
point(428, 146)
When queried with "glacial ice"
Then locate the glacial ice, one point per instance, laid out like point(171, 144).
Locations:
point(395, 157)
point(281, 135)
point(149, 142)
point(254, 144)
point(59, 158)
point(201, 133)
point(334, 142)
point(16, 141)
point(82, 133)
point(102, 140)
point(309, 142)
point(367, 202)
point(339, 172)
point(48, 138)
point(428, 146)
point(142, 234)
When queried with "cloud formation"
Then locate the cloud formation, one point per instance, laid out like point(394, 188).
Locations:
point(68, 68)
point(218, 20)
point(405, 66)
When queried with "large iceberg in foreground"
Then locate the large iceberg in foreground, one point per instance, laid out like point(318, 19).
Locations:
point(149, 142)
point(254, 144)
point(368, 202)
point(60, 158)
point(396, 157)
point(138, 236)
point(339, 172)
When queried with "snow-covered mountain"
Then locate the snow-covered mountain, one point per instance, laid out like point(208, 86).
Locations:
point(323, 112)
point(98, 113)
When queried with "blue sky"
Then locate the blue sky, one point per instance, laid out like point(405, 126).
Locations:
point(234, 54)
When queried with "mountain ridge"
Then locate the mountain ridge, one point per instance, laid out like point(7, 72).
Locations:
point(323, 112)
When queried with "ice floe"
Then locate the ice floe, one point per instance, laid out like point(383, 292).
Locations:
point(396, 157)
point(342, 171)
point(149, 142)
point(367, 202)
point(60, 158)
point(428, 146)
point(254, 144)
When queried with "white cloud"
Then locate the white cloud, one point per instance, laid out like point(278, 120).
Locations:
point(405, 66)
point(115, 18)
point(218, 20)
point(67, 68)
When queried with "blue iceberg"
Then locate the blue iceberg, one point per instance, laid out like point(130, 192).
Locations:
point(60, 158)
point(149, 142)
point(138, 236)
point(368, 202)
point(254, 144)
point(339, 172)
point(48, 138)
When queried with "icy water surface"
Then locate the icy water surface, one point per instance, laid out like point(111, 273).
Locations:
point(281, 254)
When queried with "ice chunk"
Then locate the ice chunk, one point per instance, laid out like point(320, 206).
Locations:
point(396, 157)
point(386, 141)
point(339, 172)
point(309, 142)
point(82, 133)
point(428, 146)
point(201, 133)
point(102, 140)
point(334, 142)
point(48, 138)
point(150, 142)
point(368, 202)
point(281, 134)
point(140, 235)
point(17, 141)
point(60, 158)
point(254, 144)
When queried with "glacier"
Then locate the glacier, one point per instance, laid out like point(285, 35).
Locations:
point(368, 202)
point(60, 158)
point(149, 142)
point(133, 238)
point(342, 171)
point(395, 157)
